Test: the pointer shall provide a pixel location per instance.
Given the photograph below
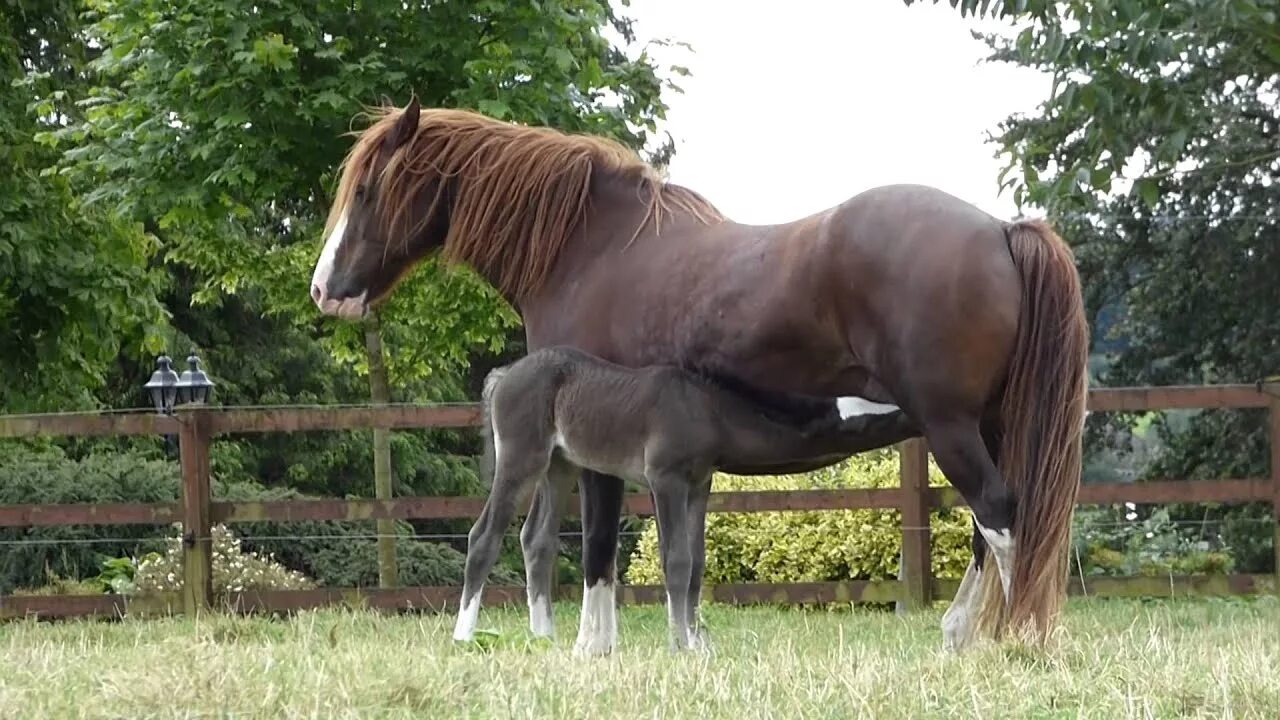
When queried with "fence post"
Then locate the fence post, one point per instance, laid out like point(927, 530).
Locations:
point(380, 394)
point(916, 571)
point(197, 541)
point(1274, 418)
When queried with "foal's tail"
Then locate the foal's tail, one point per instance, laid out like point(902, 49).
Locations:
point(488, 458)
point(1042, 425)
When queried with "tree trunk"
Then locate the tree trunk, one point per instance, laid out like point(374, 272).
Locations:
point(380, 394)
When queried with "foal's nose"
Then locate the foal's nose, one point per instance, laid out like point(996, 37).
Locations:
point(317, 293)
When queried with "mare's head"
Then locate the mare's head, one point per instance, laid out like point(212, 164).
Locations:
point(500, 197)
point(377, 227)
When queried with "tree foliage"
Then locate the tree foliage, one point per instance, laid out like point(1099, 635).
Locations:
point(168, 167)
point(1157, 153)
point(76, 287)
point(220, 125)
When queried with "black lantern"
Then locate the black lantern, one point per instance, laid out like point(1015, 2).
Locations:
point(194, 386)
point(163, 385)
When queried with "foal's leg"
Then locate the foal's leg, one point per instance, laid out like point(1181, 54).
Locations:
point(516, 471)
point(671, 508)
point(540, 543)
point(698, 497)
point(601, 512)
point(967, 462)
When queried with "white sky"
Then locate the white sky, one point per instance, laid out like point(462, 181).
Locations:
point(795, 106)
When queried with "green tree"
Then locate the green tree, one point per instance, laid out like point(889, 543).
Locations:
point(76, 288)
point(1157, 152)
point(218, 126)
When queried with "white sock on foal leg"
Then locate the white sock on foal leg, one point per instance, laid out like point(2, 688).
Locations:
point(468, 615)
point(540, 621)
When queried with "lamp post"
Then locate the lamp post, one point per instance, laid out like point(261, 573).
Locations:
point(167, 388)
point(194, 386)
point(163, 386)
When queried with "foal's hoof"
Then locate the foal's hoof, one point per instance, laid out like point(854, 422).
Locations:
point(596, 646)
point(700, 642)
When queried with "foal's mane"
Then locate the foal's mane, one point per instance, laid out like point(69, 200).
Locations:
point(516, 193)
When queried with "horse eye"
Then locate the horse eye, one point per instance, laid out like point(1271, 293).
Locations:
point(360, 192)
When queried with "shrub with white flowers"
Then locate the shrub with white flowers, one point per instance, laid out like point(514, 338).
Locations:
point(234, 570)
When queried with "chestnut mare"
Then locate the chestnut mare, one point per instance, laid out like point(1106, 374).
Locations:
point(901, 299)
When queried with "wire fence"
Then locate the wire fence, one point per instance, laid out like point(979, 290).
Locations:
point(1137, 525)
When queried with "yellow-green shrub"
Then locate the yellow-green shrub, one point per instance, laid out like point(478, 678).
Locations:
point(814, 546)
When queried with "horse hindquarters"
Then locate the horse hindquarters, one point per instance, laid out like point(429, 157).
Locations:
point(1023, 509)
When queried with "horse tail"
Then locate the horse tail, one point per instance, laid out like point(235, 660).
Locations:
point(1041, 431)
point(489, 456)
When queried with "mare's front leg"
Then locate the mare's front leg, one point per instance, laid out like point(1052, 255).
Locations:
point(540, 544)
point(671, 508)
point(601, 512)
point(515, 474)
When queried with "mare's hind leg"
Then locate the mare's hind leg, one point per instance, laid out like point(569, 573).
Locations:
point(959, 621)
point(517, 469)
point(540, 544)
point(671, 508)
point(965, 459)
point(601, 512)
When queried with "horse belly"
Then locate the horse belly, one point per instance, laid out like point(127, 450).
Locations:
point(604, 449)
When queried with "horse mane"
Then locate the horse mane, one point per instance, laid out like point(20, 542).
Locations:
point(517, 194)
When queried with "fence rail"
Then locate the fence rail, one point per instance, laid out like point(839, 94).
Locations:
point(197, 511)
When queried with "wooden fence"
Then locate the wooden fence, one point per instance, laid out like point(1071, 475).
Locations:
point(197, 511)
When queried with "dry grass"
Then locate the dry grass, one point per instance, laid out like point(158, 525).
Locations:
point(1118, 659)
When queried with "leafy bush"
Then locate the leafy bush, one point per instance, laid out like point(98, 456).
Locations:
point(335, 554)
point(46, 475)
point(1116, 541)
point(234, 569)
point(344, 554)
point(815, 546)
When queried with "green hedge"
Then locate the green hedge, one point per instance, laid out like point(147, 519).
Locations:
point(815, 546)
point(335, 554)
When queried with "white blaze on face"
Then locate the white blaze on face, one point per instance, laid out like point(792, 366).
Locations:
point(854, 406)
point(324, 266)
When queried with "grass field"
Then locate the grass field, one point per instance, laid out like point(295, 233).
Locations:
point(1118, 659)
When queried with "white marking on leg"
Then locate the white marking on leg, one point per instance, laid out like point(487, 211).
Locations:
point(958, 621)
point(598, 627)
point(680, 632)
point(854, 406)
point(497, 442)
point(1002, 547)
point(324, 266)
point(540, 620)
point(468, 616)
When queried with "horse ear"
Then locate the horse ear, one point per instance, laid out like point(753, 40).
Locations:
point(405, 127)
